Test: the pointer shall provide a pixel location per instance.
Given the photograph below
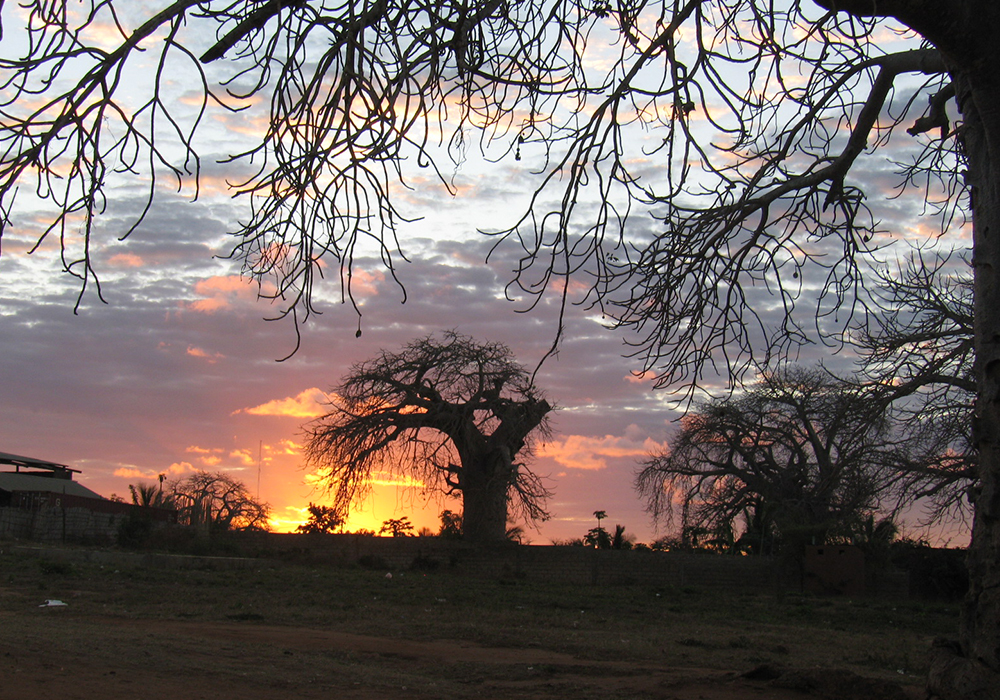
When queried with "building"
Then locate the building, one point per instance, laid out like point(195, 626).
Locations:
point(40, 501)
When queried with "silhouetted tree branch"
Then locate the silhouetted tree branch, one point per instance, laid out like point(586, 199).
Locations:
point(920, 354)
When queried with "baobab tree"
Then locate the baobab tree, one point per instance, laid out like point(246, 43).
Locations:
point(755, 180)
point(217, 501)
point(800, 453)
point(457, 415)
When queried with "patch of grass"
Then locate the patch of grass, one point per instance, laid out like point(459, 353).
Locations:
point(245, 617)
point(692, 642)
point(740, 642)
point(55, 568)
point(683, 626)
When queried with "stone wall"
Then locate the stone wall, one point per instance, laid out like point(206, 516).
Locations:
point(53, 517)
point(61, 524)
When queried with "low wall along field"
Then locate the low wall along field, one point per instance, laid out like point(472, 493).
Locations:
point(557, 564)
point(573, 565)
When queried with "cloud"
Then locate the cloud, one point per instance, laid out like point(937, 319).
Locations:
point(402, 480)
point(132, 473)
point(365, 283)
point(222, 292)
point(125, 260)
point(244, 457)
point(210, 457)
point(593, 453)
point(288, 447)
point(211, 358)
point(307, 404)
point(153, 474)
point(645, 378)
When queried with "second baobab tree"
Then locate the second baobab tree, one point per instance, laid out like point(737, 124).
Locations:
point(453, 413)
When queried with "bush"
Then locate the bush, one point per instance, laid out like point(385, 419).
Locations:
point(134, 531)
point(935, 574)
point(370, 561)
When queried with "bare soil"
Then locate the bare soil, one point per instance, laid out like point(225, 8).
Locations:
point(295, 631)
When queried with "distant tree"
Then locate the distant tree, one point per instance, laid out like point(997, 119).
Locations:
point(397, 527)
point(136, 528)
point(621, 540)
point(457, 414)
point(665, 543)
point(322, 519)
point(515, 533)
point(802, 451)
point(598, 538)
point(219, 502)
point(451, 525)
point(150, 496)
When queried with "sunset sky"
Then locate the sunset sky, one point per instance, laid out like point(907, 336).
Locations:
point(179, 370)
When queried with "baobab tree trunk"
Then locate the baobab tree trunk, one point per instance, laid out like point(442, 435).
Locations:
point(981, 623)
point(488, 468)
point(974, 672)
point(486, 480)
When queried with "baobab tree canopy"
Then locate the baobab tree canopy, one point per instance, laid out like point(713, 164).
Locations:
point(759, 115)
point(452, 413)
point(800, 453)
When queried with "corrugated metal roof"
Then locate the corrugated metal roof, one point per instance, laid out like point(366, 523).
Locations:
point(10, 481)
point(32, 463)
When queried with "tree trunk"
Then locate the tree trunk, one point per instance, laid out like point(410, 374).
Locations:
point(973, 671)
point(488, 471)
point(485, 481)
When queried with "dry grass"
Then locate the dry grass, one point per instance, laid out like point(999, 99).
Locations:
point(686, 627)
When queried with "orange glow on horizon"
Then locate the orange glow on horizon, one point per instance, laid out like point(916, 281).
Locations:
point(365, 520)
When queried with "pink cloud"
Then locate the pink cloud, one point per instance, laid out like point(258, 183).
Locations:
point(153, 474)
point(364, 283)
point(593, 453)
point(125, 260)
point(132, 473)
point(222, 292)
point(633, 378)
point(212, 358)
point(307, 404)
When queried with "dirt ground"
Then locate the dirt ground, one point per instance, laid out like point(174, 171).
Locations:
point(87, 657)
point(145, 638)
